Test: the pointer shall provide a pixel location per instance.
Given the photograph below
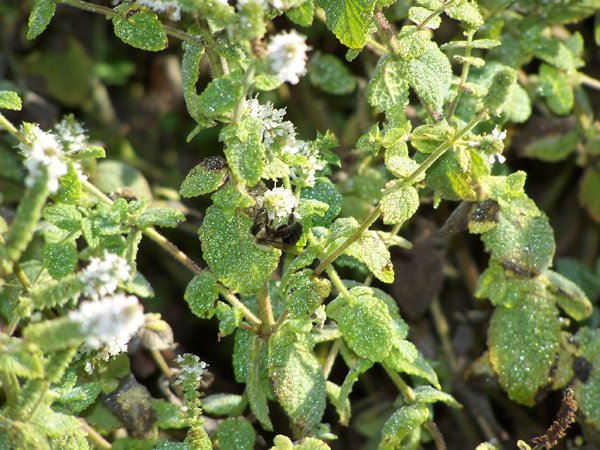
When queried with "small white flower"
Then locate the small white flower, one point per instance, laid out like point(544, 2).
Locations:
point(273, 128)
point(305, 174)
point(497, 156)
point(71, 135)
point(286, 53)
point(43, 154)
point(279, 203)
point(171, 7)
point(498, 135)
point(102, 275)
point(108, 324)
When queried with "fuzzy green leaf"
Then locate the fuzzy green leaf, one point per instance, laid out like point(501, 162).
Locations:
point(524, 369)
point(399, 203)
point(49, 295)
point(303, 293)
point(60, 258)
point(418, 14)
point(161, 217)
point(168, 415)
point(297, 380)
point(302, 15)
point(400, 424)
point(587, 383)
point(365, 323)
point(221, 95)
point(10, 100)
point(20, 358)
point(569, 296)
point(428, 394)
point(405, 358)
point(324, 191)
point(52, 335)
point(330, 74)
point(190, 71)
point(232, 254)
point(206, 177)
point(285, 443)
point(229, 318)
point(387, 87)
point(222, 404)
point(255, 390)
point(244, 151)
point(556, 87)
point(374, 253)
point(236, 434)
point(139, 28)
point(202, 294)
point(80, 397)
point(65, 217)
point(230, 198)
point(349, 20)
point(69, 190)
point(40, 17)
point(500, 90)
point(114, 176)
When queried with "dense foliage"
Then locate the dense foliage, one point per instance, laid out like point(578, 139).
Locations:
point(317, 237)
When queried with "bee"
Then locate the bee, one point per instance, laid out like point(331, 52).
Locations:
point(283, 237)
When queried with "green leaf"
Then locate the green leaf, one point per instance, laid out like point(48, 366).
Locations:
point(244, 151)
point(553, 148)
point(221, 95)
point(285, 443)
point(556, 87)
point(398, 162)
point(49, 295)
point(65, 217)
point(206, 177)
point(405, 358)
point(399, 203)
point(375, 254)
point(324, 191)
point(20, 358)
point(339, 394)
point(202, 294)
point(587, 382)
point(69, 190)
point(190, 71)
point(467, 13)
point(229, 318)
point(40, 17)
point(523, 343)
point(88, 153)
point(418, 14)
point(521, 242)
point(236, 434)
point(387, 87)
point(401, 424)
point(232, 254)
point(230, 198)
point(365, 323)
point(303, 293)
point(257, 397)
point(297, 380)
point(330, 74)
point(52, 335)
point(430, 76)
point(349, 20)
point(162, 217)
point(10, 100)
point(139, 28)
point(80, 397)
point(428, 394)
point(588, 193)
point(569, 296)
point(500, 90)
point(222, 404)
point(303, 14)
point(60, 258)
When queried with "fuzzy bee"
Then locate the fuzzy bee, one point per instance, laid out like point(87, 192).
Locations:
point(283, 237)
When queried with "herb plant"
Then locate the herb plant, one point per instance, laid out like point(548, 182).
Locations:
point(293, 221)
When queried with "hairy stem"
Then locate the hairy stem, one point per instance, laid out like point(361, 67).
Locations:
point(235, 302)
point(385, 31)
point(265, 309)
point(94, 436)
point(434, 14)
point(463, 76)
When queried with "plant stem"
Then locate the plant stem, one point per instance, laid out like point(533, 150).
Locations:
point(463, 76)
point(8, 126)
point(159, 359)
point(333, 352)
point(94, 436)
point(434, 14)
point(404, 388)
point(337, 281)
point(22, 277)
point(265, 309)
point(235, 302)
point(110, 13)
point(172, 249)
point(435, 433)
point(246, 83)
point(443, 330)
point(218, 65)
point(387, 34)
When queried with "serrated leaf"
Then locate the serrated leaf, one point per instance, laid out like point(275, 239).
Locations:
point(49, 295)
point(349, 20)
point(556, 87)
point(202, 294)
point(365, 324)
point(190, 71)
point(484, 44)
point(80, 397)
point(230, 198)
point(206, 177)
point(467, 13)
point(245, 152)
point(428, 394)
point(399, 203)
point(524, 369)
point(236, 434)
point(168, 415)
point(521, 242)
point(232, 254)
point(161, 217)
point(139, 28)
point(221, 95)
point(20, 359)
point(52, 335)
point(430, 76)
point(229, 318)
point(569, 296)
point(339, 394)
point(65, 217)
point(303, 293)
point(387, 87)
point(10, 100)
point(60, 258)
point(324, 191)
point(87, 153)
point(303, 14)
point(69, 190)
point(400, 424)
point(502, 287)
point(40, 17)
point(376, 256)
point(405, 358)
point(418, 14)
point(297, 380)
point(328, 73)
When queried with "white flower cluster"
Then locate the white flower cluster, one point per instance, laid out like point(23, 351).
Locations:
point(304, 174)
point(286, 53)
point(279, 203)
point(44, 154)
point(102, 275)
point(71, 135)
point(498, 140)
point(108, 323)
point(171, 7)
point(273, 129)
